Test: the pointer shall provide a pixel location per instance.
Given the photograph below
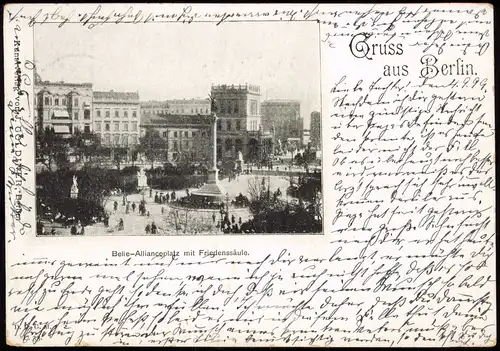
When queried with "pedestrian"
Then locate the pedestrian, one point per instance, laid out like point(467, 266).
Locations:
point(124, 199)
point(73, 230)
point(115, 206)
point(150, 192)
point(162, 210)
point(82, 232)
point(173, 196)
point(120, 224)
point(133, 207)
point(127, 208)
point(213, 217)
point(153, 228)
point(148, 229)
point(148, 213)
point(168, 197)
point(233, 220)
point(156, 198)
point(239, 221)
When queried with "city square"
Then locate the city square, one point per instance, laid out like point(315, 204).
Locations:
point(241, 159)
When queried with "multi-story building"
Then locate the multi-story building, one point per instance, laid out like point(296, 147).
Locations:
point(284, 116)
point(316, 129)
point(185, 135)
point(176, 107)
point(239, 121)
point(117, 117)
point(65, 107)
point(306, 137)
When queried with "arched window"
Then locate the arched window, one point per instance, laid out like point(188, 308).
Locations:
point(229, 144)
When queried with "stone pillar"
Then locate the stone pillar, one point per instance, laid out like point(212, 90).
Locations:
point(213, 176)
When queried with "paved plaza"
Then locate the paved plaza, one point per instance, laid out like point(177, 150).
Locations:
point(174, 220)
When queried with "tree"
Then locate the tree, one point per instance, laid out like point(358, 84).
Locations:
point(51, 148)
point(291, 147)
point(86, 145)
point(152, 146)
point(119, 155)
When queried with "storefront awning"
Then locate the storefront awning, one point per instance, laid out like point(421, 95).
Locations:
point(60, 115)
point(62, 130)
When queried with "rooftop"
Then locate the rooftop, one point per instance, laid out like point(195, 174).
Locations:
point(236, 88)
point(115, 95)
point(168, 119)
point(62, 83)
point(280, 101)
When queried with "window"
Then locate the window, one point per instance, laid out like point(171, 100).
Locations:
point(107, 138)
point(164, 134)
point(76, 116)
point(46, 101)
point(186, 144)
point(117, 127)
point(253, 107)
point(229, 144)
point(207, 110)
point(134, 126)
point(196, 110)
point(228, 125)
point(175, 134)
point(50, 101)
point(98, 113)
point(175, 145)
point(64, 102)
point(236, 108)
point(125, 114)
point(125, 140)
point(86, 114)
point(134, 139)
point(125, 126)
point(134, 113)
point(219, 125)
point(86, 128)
point(238, 125)
point(117, 114)
point(56, 101)
point(192, 111)
point(186, 134)
point(76, 101)
point(98, 127)
point(107, 114)
point(116, 139)
point(106, 127)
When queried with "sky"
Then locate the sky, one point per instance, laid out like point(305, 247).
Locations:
point(176, 61)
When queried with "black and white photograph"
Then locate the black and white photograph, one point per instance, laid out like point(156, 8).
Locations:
point(178, 130)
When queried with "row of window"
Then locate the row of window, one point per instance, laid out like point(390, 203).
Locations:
point(179, 110)
point(229, 106)
point(63, 101)
point(107, 113)
point(107, 127)
point(124, 139)
point(86, 115)
point(229, 125)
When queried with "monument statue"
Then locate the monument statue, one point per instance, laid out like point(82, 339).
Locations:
point(240, 156)
point(74, 188)
point(142, 179)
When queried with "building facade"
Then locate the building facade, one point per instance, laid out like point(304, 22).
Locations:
point(65, 107)
point(284, 116)
point(176, 107)
point(186, 136)
point(117, 118)
point(315, 129)
point(239, 125)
